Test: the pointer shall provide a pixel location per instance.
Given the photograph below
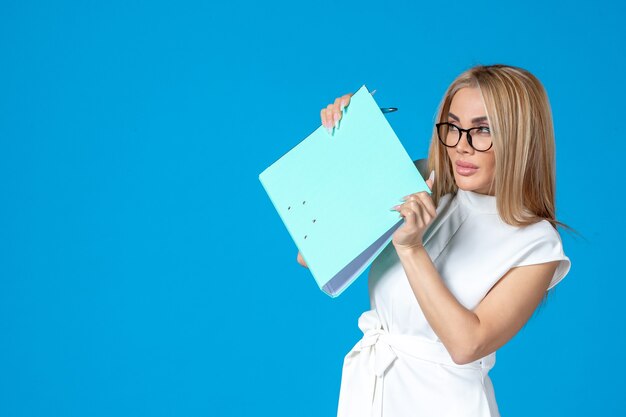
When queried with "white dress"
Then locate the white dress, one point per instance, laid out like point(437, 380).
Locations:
point(400, 368)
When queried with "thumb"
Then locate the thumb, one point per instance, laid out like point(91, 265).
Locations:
point(431, 180)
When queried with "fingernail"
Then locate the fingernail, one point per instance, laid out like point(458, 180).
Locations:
point(373, 92)
point(336, 119)
point(432, 175)
point(395, 207)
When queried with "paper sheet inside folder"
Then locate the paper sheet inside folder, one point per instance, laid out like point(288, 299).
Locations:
point(333, 193)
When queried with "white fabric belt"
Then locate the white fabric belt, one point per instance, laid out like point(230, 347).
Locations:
point(381, 346)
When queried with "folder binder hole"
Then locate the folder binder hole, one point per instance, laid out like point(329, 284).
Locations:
point(303, 202)
point(313, 220)
point(305, 236)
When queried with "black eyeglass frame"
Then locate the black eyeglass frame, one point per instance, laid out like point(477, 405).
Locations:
point(461, 130)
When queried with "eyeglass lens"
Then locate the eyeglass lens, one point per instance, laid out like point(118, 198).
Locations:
point(451, 135)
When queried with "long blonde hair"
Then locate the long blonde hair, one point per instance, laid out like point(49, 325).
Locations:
point(520, 119)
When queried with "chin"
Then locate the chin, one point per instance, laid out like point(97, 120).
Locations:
point(471, 184)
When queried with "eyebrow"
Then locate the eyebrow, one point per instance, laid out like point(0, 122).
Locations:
point(474, 120)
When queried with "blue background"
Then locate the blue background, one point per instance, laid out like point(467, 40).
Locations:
point(143, 269)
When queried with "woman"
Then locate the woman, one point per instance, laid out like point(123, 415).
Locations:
point(471, 262)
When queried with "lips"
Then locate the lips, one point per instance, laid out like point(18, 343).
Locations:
point(465, 169)
point(463, 164)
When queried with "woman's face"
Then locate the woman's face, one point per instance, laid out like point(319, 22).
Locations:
point(473, 170)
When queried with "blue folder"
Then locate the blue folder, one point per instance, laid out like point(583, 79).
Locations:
point(334, 193)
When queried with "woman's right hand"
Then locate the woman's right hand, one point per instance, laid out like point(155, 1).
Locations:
point(301, 260)
point(332, 113)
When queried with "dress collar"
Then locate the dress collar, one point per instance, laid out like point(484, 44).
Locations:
point(478, 202)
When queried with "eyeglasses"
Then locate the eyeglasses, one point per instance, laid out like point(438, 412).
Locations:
point(450, 136)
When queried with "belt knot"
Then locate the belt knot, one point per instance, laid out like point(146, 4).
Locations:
point(374, 337)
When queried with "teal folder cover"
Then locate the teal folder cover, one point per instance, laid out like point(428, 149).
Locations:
point(334, 193)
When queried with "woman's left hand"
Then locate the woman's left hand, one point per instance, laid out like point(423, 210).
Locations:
point(418, 211)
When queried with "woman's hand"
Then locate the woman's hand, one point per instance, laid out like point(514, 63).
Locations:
point(332, 113)
point(301, 261)
point(418, 211)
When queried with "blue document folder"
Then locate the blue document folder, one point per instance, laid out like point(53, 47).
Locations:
point(334, 193)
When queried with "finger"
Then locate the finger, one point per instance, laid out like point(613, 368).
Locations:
point(337, 112)
point(329, 117)
point(416, 206)
point(409, 216)
point(413, 208)
point(323, 117)
point(345, 100)
point(427, 201)
point(301, 260)
point(409, 197)
point(423, 217)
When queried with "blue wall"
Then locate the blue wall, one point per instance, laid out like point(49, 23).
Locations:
point(135, 237)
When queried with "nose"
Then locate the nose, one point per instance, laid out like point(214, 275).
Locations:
point(463, 146)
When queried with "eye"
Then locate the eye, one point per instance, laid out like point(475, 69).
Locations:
point(452, 127)
point(484, 130)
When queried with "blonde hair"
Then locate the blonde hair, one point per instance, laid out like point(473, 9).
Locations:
point(520, 119)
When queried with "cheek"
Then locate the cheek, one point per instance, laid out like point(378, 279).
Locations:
point(490, 164)
point(449, 152)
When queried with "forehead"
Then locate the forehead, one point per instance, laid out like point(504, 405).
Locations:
point(468, 103)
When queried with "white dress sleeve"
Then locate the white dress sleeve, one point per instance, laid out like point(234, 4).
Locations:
point(542, 244)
